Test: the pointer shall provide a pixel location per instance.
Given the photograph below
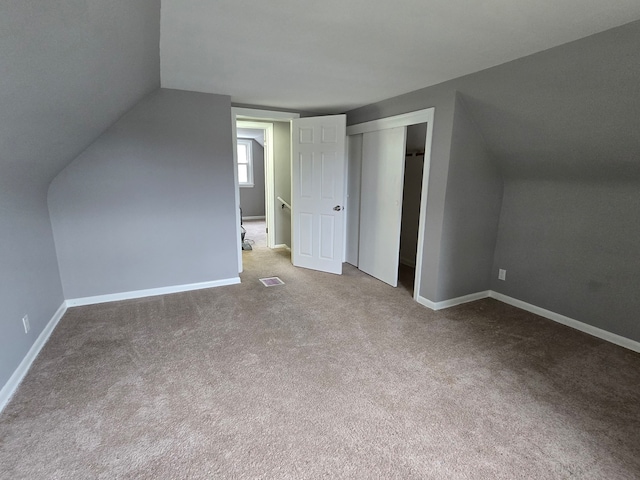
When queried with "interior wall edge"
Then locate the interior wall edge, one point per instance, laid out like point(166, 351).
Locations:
point(610, 337)
point(472, 206)
point(131, 213)
point(452, 302)
point(10, 387)
point(151, 292)
point(569, 322)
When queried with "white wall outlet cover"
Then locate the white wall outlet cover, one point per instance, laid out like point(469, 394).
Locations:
point(502, 274)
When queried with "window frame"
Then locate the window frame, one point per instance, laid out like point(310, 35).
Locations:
point(248, 143)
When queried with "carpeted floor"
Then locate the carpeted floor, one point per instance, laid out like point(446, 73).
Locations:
point(256, 234)
point(324, 377)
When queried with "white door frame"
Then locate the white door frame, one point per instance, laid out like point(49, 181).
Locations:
point(404, 120)
point(246, 115)
point(267, 128)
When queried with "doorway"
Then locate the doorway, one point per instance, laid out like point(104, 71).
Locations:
point(376, 180)
point(277, 173)
point(254, 169)
point(250, 144)
point(255, 233)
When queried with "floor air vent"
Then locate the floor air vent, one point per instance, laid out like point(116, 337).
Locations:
point(271, 281)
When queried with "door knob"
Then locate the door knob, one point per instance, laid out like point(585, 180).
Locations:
point(337, 208)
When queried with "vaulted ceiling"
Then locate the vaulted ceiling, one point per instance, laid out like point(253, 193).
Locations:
point(333, 56)
point(255, 134)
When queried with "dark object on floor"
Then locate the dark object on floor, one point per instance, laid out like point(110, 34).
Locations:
point(245, 244)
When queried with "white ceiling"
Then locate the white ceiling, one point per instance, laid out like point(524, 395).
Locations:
point(333, 56)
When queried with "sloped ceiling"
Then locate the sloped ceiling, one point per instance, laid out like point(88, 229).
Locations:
point(257, 135)
point(333, 56)
point(69, 70)
point(570, 112)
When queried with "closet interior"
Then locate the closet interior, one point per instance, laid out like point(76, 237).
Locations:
point(385, 172)
point(411, 194)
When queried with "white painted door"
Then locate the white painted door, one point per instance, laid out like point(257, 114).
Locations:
point(317, 180)
point(383, 153)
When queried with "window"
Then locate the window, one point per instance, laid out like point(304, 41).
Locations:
point(245, 163)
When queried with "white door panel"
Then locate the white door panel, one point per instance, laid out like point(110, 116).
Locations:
point(318, 165)
point(382, 179)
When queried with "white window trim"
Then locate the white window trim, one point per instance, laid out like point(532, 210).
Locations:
point(248, 143)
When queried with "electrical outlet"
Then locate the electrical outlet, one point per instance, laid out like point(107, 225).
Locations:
point(25, 323)
point(502, 274)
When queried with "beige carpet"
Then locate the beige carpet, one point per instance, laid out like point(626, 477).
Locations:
point(256, 234)
point(324, 377)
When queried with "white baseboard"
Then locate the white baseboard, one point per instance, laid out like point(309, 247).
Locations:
point(282, 245)
point(12, 384)
point(14, 381)
point(151, 292)
point(258, 217)
point(452, 302)
point(556, 317)
point(569, 322)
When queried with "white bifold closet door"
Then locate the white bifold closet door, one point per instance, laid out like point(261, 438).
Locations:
point(383, 155)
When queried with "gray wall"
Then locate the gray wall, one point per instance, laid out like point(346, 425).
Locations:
point(557, 123)
point(282, 180)
point(573, 247)
point(472, 212)
point(151, 203)
point(69, 70)
point(252, 198)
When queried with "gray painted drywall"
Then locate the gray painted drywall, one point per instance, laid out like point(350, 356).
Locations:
point(252, 198)
point(573, 247)
point(151, 203)
point(282, 180)
point(472, 212)
point(69, 70)
point(570, 115)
